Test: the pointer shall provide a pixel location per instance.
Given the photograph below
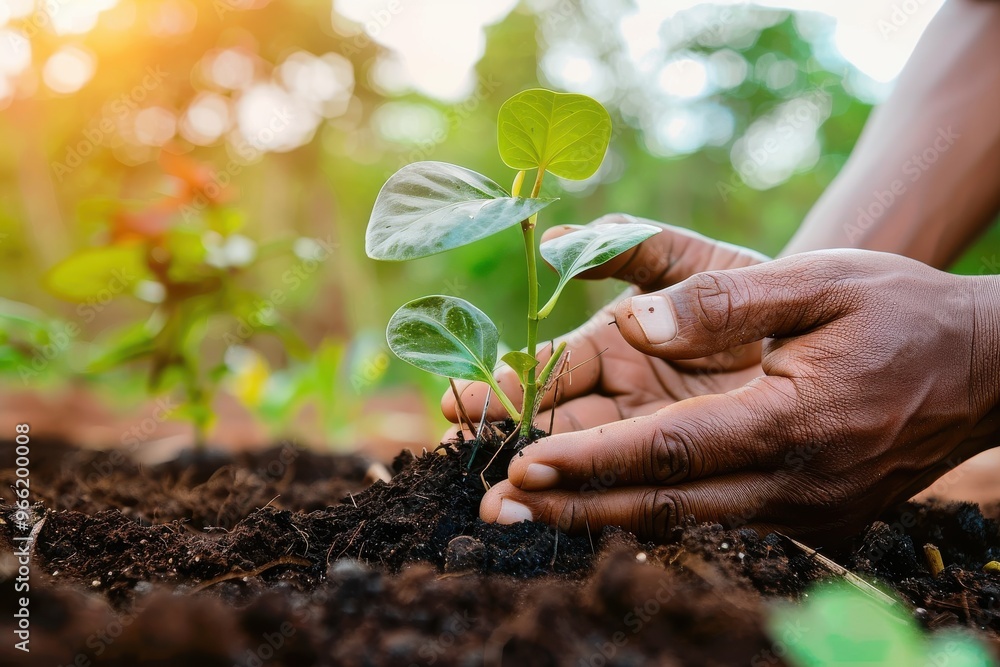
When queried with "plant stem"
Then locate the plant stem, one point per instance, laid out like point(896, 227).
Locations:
point(550, 365)
point(508, 406)
point(530, 387)
point(527, 408)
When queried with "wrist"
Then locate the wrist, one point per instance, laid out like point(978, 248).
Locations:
point(984, 382)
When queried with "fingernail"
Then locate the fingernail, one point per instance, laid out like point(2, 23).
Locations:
point(655, 318)
point(513, 512)
point(539, 476)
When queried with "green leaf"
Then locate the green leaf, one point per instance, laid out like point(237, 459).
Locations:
point(839, 625)
point(953, 648)
point(98, 273)
point(563, 133)
point(588, 247)
point(187, 254)
point(521, 363)
point(446, 336)
point(129, 344)
point(429, 207)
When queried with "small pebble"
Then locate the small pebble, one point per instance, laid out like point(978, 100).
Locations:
point(641, 557)
point(377, 473)
point(724, 546)
point(464, 553)
point(992, 566)
point(95, 583)
point(346, 569)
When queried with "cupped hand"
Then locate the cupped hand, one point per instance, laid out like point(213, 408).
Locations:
point(610, 379)
point(879, 373)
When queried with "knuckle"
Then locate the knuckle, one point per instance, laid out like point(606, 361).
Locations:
point(669, 457)
point(562, 513)
point(720, 299)
point(661, 511)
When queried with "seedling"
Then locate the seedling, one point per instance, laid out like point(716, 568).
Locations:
point(183, 255)
point(838, 624)
point(429, 207)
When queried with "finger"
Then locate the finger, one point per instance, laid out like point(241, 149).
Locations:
point(585, 376)
point(666, 258)
point(734, 359)
point(579, 414)
point(696, 438)
point(650, 512)
point(717, 310)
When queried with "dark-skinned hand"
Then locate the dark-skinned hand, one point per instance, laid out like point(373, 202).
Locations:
point(612, 380)
point(876, 371)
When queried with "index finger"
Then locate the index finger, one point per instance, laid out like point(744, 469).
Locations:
point(693, 439)
point(665, 258)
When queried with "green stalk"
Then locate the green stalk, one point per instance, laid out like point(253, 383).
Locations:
point(530, 387)
point(508, 406)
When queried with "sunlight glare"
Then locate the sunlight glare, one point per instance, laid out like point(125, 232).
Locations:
point(438, 41)
point(68, 69)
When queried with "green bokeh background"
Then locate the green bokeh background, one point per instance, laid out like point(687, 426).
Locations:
point(326, 187)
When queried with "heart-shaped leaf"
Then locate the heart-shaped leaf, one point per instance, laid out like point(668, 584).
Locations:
point(590, 246)
point(99, 273)
point(429, 207)
point(446, 336)
point(564, 133)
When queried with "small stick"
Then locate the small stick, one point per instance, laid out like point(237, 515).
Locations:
point(934, 562)
point(585, 361)
point(462, 413)
point(555, 404)
point(555, 391)
point(851, 578)
point(237, 574)
point(591, 539)
point(33, 537)
point(486, 409)
point(555, 552)
point(479, 431)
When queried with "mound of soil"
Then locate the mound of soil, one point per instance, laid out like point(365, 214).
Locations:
point(288, 557)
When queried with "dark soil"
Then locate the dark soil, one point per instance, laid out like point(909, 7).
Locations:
point(288, 557)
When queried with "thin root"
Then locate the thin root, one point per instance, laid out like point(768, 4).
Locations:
point(239, 574)
point(482, 475)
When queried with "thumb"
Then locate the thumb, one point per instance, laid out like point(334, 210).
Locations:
point(716, 310)
point(665, 258)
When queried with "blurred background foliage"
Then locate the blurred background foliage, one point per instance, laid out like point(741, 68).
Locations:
point(285, 118)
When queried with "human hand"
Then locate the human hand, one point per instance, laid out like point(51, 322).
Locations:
point(612, 380)
point(878, 370)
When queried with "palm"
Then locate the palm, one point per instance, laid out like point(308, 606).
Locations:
point(611, 380)
point(604, 379)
